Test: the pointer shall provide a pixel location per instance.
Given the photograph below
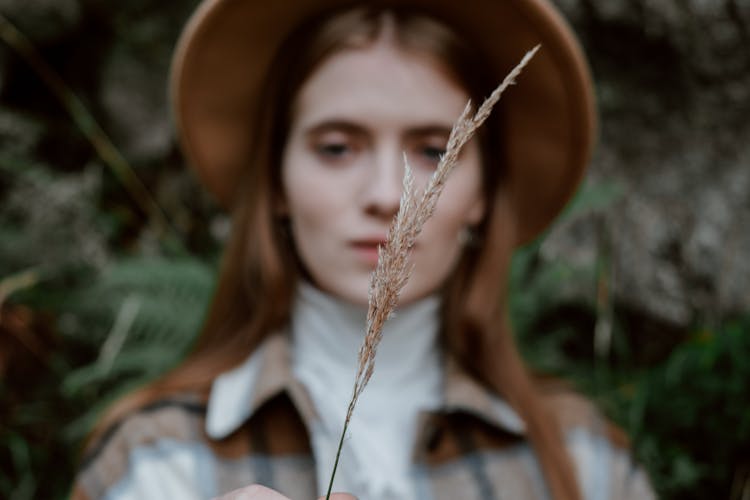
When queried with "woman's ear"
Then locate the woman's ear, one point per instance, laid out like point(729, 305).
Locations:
point(476, 211)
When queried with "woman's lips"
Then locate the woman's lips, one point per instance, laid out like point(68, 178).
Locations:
point(367, 250)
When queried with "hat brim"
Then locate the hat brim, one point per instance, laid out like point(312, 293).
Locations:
point(227, 47)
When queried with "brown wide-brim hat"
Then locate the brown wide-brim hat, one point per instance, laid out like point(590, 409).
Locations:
point(227, 47)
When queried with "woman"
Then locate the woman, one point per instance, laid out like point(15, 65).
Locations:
point(296, 115)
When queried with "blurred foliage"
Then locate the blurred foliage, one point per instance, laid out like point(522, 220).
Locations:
point(682, 397)
point(88, 321)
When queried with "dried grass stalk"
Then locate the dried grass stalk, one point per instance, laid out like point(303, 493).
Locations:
point(393, 269)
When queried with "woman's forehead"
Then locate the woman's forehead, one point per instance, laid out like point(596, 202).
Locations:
point(382, 84)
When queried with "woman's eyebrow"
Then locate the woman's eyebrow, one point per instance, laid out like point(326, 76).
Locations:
point(428, 131)
point(335, 125)
point(414, 132)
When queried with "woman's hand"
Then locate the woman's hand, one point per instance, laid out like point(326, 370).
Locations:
point(258, 492)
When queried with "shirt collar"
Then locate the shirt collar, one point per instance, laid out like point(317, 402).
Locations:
point(238, 393)
point(465, 394)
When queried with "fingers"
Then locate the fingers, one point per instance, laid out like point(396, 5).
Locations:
point(258, 492)
point(254, 492)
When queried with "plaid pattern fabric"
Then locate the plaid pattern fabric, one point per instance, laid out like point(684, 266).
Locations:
point(252, 429)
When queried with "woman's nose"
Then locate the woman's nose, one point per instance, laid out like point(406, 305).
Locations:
point(382, 193)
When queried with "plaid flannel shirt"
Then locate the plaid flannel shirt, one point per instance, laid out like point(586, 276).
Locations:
point(251, 428)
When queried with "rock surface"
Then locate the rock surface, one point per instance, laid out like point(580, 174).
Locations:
point(673, 83)
point(133, 79)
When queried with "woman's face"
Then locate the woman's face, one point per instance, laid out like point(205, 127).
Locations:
point(342, 168)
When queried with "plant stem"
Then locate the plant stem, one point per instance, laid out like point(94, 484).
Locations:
point(336, 462)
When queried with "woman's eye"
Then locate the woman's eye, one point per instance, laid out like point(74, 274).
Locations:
point(333, 150)
point(432, 153)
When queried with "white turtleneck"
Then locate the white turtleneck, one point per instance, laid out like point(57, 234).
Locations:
point(376, 457)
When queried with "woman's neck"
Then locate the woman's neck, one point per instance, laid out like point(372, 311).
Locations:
point(331, 329)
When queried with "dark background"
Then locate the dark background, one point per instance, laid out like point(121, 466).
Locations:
point(640, 294)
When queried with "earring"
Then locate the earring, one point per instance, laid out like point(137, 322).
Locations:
point(468, 237)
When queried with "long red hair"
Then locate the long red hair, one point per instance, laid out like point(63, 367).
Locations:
point(259, 271)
